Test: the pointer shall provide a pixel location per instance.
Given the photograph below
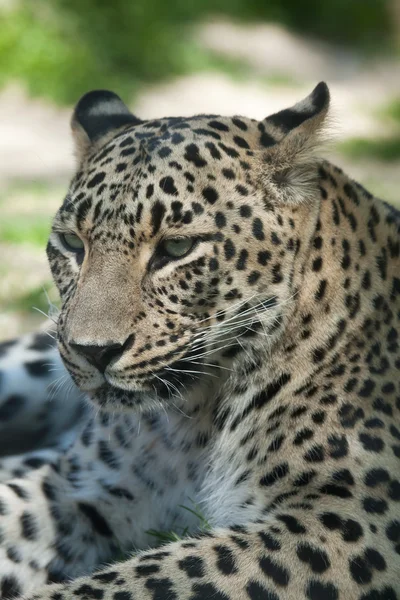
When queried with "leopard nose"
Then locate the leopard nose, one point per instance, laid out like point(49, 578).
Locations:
point(101, 356)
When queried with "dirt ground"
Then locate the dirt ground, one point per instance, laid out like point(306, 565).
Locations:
point(37, 156)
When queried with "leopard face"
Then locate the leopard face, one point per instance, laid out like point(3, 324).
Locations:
point(177, 243)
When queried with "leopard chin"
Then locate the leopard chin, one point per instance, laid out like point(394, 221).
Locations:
point(110, 397)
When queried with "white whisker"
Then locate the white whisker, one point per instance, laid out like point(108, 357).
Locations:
point(190, 372)
point(44, 314)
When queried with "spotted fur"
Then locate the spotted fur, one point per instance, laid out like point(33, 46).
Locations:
point(256, 375)
point(39, 404)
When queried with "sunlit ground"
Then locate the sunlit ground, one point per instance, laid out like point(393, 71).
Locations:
point(262, 69)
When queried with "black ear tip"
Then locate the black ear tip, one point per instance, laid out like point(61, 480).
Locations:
point(100, 111)
point(320, 95)
point(92, 101)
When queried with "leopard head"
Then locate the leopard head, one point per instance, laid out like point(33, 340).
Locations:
point(179, 242)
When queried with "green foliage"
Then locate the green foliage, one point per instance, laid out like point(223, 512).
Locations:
point(384, 149)
point(25, 229)
point(393, 110)
point(166, 537)
point(177, 534)
point(37, 299)
point(63, 48)
point(349, 22)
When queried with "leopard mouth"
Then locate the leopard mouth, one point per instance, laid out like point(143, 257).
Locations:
point(179, 376)
point(167, 383)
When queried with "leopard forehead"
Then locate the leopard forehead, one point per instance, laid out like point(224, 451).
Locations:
point(124, 159)
point(177, 176)
point(179, 159)
point(186, 176)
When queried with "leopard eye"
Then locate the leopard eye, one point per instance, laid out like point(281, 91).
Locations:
point(177, 247)
point(72, 242)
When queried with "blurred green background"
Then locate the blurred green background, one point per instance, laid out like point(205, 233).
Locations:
point(58, 46)
point(229, 56)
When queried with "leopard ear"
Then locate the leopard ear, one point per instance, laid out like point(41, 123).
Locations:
point(290, 139)
point(97, 115)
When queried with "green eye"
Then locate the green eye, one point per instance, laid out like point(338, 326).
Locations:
point(72, 242)
point(178, 247)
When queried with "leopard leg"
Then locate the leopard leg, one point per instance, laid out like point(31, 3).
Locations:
point(294, 554)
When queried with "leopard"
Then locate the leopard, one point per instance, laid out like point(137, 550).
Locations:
point(230, 308)
point(40, 407)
